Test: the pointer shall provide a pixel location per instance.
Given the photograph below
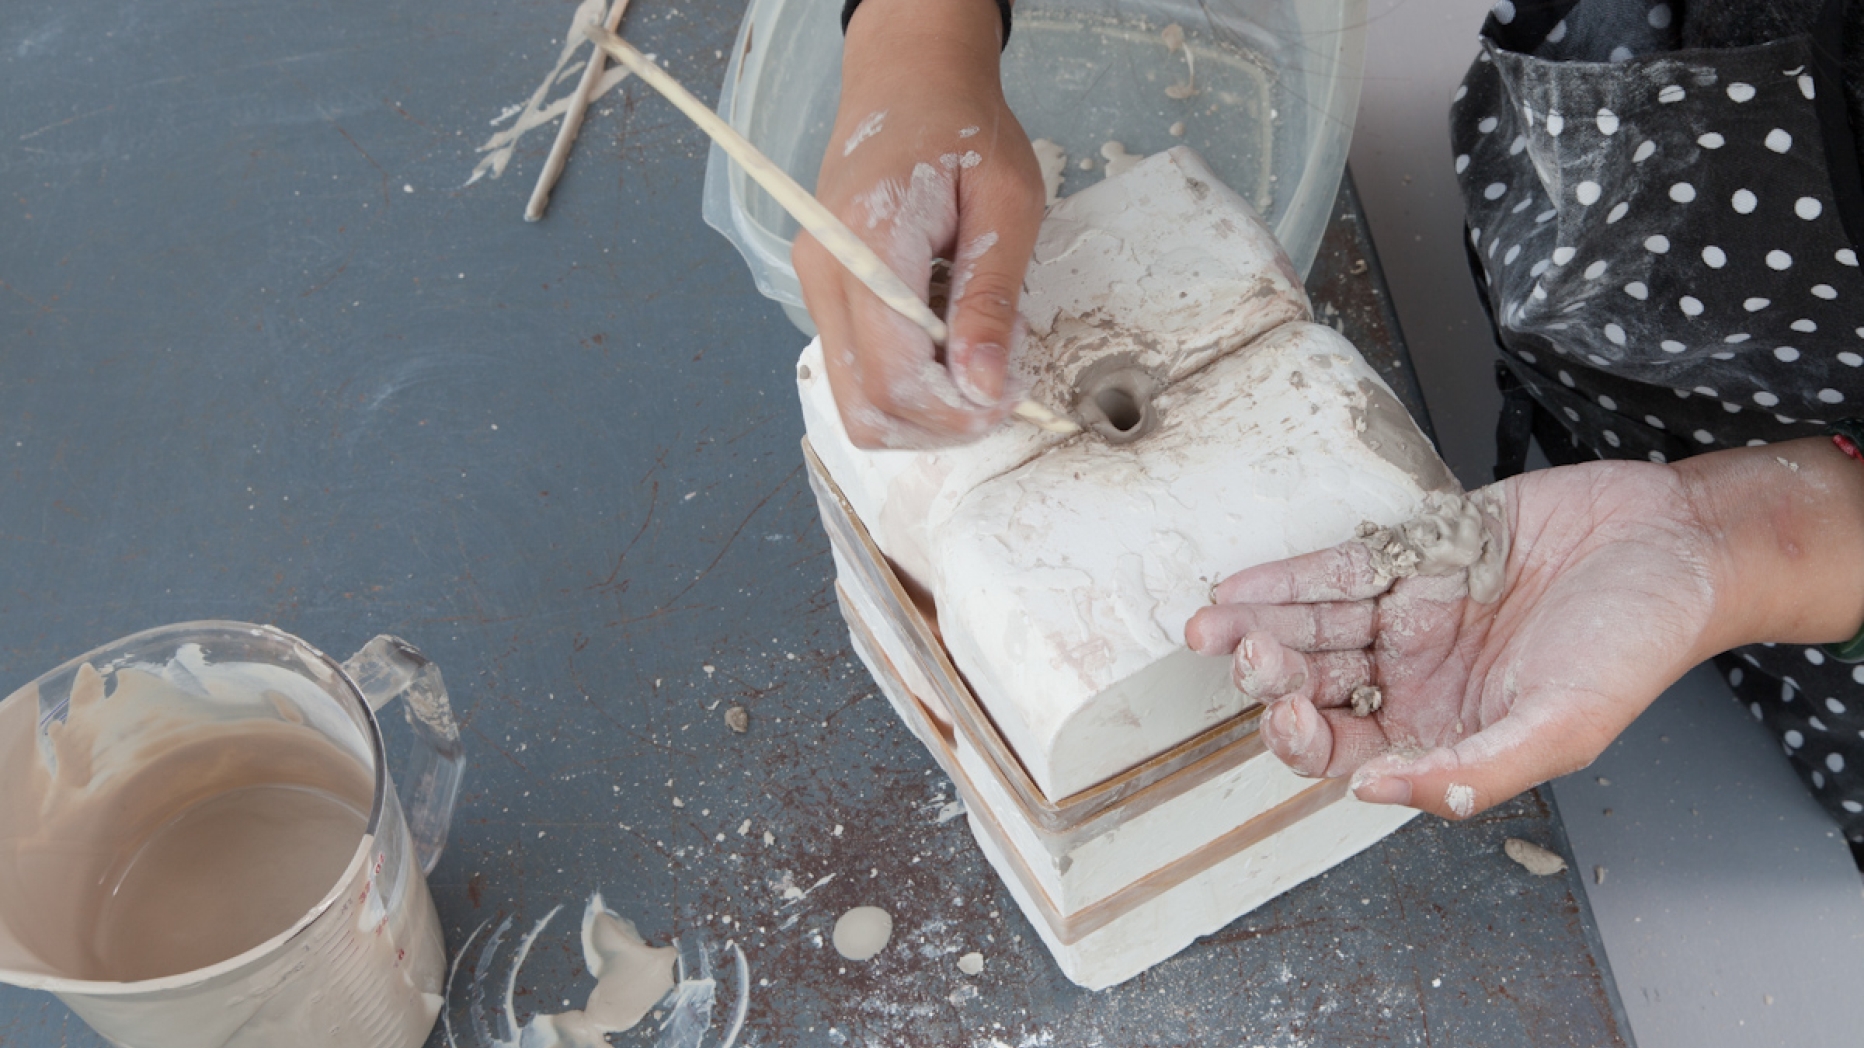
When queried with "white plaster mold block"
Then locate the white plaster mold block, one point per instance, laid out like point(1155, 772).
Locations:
point(1064, 569)
point(1022, 600)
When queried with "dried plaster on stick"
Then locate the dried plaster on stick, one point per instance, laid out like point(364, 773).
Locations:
point(572, 122)
point(822, 224)
point(532, 112)
point(809, 212)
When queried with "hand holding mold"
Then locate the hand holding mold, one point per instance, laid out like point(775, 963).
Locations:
point(926, 162)
point(1498, 640)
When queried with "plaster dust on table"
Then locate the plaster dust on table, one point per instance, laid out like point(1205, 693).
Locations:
point(198, 819)
point(674, 983)
point(534, 112)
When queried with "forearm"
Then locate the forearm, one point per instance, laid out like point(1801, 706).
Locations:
point(1785, 530)
point(959, 35)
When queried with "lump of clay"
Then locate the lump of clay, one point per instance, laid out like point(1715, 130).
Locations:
point(1533, 858)
point(1225, 431)
point(861, 933)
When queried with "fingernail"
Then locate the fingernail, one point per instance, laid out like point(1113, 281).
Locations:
point(980, 377)
point(1388, 790)
point(1287, 721)
point(1288, 727)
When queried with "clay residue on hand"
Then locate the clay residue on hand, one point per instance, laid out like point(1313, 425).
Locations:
point(863, 131)
point(1367, 699)
point(1453, 533)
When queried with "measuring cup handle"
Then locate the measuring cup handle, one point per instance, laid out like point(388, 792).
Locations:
point(388, 668)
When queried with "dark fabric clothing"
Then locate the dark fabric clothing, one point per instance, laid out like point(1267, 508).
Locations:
point(1663, 204)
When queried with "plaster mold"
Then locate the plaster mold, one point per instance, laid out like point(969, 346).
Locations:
point(1158, 272)
point(1022, 600)
point(1064, 585)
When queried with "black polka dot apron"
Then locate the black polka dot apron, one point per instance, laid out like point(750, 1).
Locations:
point(1664, 237)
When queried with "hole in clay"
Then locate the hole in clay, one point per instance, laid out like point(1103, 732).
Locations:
point(1121, 408)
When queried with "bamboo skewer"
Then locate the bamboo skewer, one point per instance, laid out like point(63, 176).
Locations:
point(821, 223)
point(572, 121)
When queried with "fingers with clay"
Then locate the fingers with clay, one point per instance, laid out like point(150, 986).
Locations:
point(944, 186)
point(1356, 647)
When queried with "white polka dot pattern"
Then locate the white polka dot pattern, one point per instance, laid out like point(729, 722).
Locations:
point(1668, 266)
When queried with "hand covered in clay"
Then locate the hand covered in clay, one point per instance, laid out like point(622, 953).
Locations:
point(926, 162)
point(1498, 640)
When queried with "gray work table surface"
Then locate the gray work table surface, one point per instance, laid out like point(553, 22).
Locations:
point(263, 356)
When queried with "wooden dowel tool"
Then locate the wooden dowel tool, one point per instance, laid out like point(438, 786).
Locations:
point(572, 122)
point(821, 223)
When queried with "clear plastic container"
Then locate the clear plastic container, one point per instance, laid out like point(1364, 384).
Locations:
point(1270, 108)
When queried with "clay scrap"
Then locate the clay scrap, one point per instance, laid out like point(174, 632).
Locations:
point(1533, 858)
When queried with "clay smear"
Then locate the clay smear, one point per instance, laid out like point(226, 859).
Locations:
point(1454, 533)
point(673, 984)
point(1119, 161)
point(631, 977)
point(861, 933)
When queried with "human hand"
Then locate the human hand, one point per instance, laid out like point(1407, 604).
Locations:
point(1598, 590)
point(926, 161)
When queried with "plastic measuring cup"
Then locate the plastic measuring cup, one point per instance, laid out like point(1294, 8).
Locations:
point(124, 776)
